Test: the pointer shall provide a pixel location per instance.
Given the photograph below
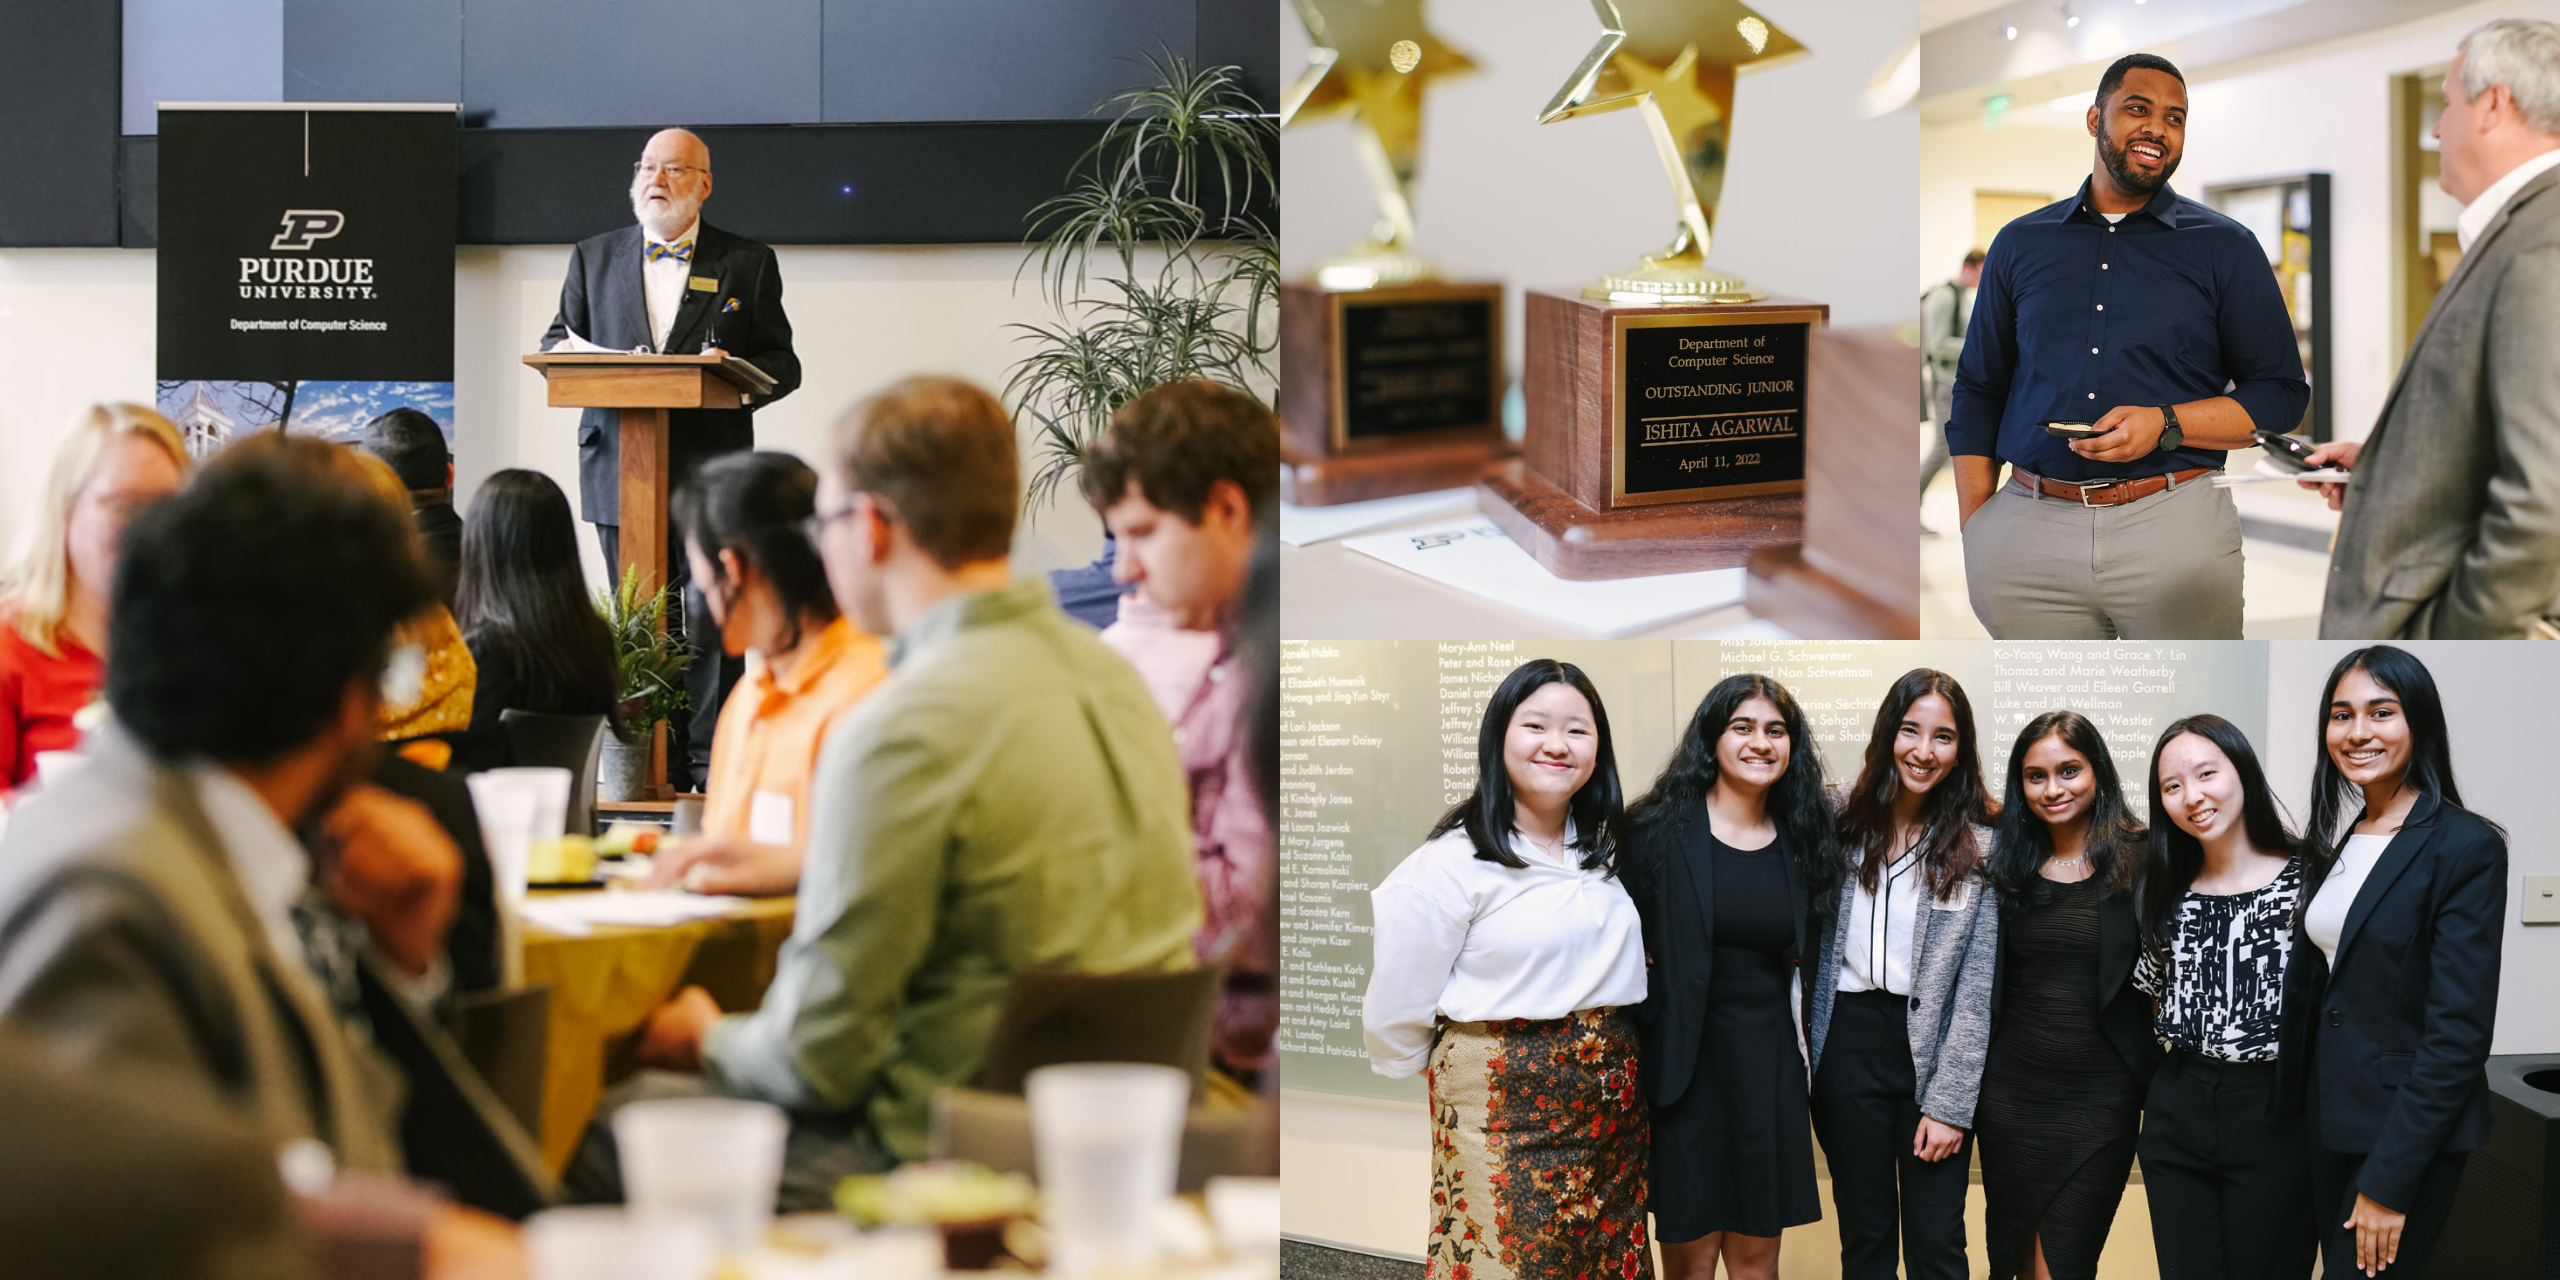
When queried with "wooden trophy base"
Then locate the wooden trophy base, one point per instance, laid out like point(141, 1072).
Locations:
point(1857, 574)
point(1661, 439)
point(1388, 391)
point(1321, 481)
point(1576, 542)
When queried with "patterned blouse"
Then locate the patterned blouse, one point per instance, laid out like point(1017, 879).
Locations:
point(2221, 981)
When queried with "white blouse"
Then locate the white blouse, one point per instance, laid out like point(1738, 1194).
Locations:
point(1461, 938)
point(1878, 954)
point(2326, 919)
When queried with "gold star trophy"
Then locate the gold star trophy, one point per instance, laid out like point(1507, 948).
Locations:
point(1391, 379)
point(1665, 401)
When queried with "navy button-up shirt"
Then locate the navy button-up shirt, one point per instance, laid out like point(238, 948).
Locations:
point(2174, 302)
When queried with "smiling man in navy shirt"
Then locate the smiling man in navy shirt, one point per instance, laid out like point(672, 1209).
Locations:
point(2157, 323)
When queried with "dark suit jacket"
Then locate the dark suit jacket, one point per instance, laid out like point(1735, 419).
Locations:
point(2124, 1012)
point(1678, 908)
point(2391, 1044)
point(471, 942)
point(441, 530)
point(604, 301)
point(2452, 527)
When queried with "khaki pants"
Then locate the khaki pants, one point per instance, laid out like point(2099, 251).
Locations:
point(2166, 567)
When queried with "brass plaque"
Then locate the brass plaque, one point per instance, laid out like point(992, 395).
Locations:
point(1414, 360)
point(1707, 405)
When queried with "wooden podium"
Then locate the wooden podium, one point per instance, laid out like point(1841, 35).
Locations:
point(642, 388)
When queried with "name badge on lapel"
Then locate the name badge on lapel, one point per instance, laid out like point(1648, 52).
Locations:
point(702, 284)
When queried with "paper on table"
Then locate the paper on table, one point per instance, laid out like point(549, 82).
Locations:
point(1300, 526)
point(579, 914)
point(1475, 557)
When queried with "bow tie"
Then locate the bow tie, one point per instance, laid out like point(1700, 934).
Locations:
point(679, 252)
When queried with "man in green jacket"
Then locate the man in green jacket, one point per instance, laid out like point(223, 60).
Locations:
point(1009, 800)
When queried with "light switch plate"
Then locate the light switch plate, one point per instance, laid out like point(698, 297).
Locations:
point(2542, 899)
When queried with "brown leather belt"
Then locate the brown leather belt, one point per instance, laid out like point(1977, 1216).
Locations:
point(2106, 493)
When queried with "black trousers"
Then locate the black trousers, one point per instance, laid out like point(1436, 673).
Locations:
point(709, 674)
point(1866, 1115)
point(2228, 1176)
point(2333, 1197)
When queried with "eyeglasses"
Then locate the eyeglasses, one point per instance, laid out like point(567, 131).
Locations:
point(816, 525)
point(674, 172)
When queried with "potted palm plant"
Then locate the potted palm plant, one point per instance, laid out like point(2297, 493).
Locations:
point(650, 662)
point(1159, 269)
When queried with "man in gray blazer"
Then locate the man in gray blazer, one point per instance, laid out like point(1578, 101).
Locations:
point(191, 900)
point(2452, 507)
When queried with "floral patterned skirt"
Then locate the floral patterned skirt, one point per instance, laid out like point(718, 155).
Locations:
point(1538, 1150)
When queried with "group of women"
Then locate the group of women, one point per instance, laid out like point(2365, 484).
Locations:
point(1659, 1008)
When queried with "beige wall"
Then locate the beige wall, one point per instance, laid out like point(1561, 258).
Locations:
point(76, 326)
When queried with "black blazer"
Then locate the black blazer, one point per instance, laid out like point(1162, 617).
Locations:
point(2124, 1012)
point(2390, 1046)
point(604, 300)
point(1678, 908)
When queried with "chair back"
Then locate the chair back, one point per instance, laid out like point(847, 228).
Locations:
point(994, 1130)
point(539, 738)
point(1165, 1019)
point(506, 1036)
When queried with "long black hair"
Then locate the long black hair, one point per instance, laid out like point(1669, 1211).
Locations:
point(1795, 802)
point(756, 506)
point(1949, 812)
point(2176, 857)
point(2430, 748)
point(1489, 814)
point(519, 589)
point(2115, 844)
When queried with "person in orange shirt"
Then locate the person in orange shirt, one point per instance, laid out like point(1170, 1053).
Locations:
point(744, 519)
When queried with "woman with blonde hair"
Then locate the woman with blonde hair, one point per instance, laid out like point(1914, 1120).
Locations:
point(116, 459)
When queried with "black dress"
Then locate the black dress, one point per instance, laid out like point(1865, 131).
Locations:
point(2059, 1111)
point(1735, 1152)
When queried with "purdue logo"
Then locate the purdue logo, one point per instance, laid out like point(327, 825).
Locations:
point(304, 226)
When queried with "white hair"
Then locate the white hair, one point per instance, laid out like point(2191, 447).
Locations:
point(2524, 55)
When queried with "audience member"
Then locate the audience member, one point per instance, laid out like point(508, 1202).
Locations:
point(153, 904)
point(534, 634)
point(427, 689)
point(1008, 801)
point(1179, 478)
point(414, 446)
point(744, 519)
point(117, 459)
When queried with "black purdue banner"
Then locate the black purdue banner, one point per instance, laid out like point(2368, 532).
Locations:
point(306, 268)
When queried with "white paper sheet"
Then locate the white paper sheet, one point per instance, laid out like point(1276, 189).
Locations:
point(1300, 526)
point(578, 914)
point(1475, 557)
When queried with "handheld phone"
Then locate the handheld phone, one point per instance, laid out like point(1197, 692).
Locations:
point(2071, 430)
point(2293, 453)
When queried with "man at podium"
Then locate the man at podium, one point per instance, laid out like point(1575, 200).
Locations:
point(674, 285)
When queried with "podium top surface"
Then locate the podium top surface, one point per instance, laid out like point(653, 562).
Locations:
point(740, 373)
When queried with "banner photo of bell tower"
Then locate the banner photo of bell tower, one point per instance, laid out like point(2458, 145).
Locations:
point(306, 267)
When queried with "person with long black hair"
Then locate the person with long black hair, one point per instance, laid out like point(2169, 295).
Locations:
point(2071, 1045)
point(742, 519)
point(1507, 957)
point(1722, 856)
point(1898, 1015)
point(521, 600)
point(2223, 1162)
point(2393, 989)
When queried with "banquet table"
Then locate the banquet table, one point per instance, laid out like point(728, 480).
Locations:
point(604, 984)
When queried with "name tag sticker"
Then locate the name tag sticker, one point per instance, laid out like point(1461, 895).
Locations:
point(702, 284)
point(769, 819)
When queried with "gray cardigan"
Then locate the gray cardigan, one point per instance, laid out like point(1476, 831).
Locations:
point(1955, 947)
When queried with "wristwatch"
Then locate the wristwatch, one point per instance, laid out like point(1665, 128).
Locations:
point(2171, 436)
